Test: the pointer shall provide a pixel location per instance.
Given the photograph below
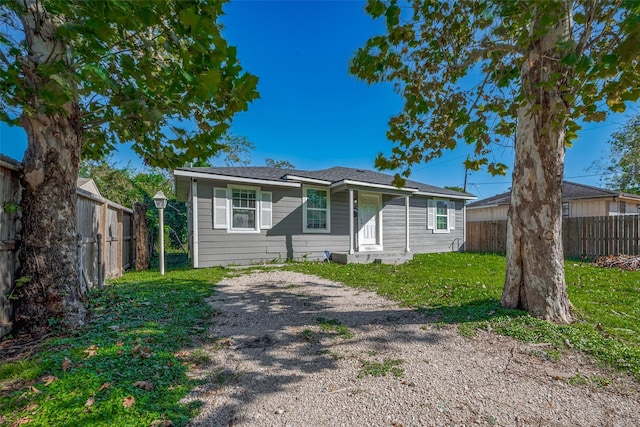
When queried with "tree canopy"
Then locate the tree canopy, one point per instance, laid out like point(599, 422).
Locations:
point(622, 168)
point(82, 77)
point(458, 68)
point(158, 75)
point(480, 72)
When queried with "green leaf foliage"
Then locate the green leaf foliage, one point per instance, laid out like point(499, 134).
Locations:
point(459, 69)
point(156, 74)
point(126, 186)
point(622, 168)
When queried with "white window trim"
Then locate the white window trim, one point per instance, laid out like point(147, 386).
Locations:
point(432, 204)
point(304, 210)
point(230, 229)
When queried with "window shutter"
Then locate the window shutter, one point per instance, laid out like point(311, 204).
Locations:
point(452, 215)
point(266, 209)
point(220, 208)
point(431, 214)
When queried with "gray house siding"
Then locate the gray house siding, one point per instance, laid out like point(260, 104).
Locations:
point(284, 240)
point(393, 227)
point(424, 240)
point(421, 239)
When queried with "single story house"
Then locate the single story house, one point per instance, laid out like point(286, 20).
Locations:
point(578, 200)
point(246, 215)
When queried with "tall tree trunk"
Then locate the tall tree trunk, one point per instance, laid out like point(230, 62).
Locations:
point(535, 261)
point(50, 290)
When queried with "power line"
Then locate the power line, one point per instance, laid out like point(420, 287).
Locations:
point(566, 177)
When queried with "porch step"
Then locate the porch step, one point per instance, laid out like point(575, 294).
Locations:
point(371, 257)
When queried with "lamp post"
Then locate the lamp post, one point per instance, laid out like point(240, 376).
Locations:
point(161, 202)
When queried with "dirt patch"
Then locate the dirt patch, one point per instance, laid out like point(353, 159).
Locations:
point(288, 349)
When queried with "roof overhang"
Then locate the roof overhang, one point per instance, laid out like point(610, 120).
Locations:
point(448, 196)
point(347, 184)
point(493, 205)
point(183, 179)
point(306, 180)
point(217, 177)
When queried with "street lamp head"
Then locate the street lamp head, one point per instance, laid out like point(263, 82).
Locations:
point(160, 200)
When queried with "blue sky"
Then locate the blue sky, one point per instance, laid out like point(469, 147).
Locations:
point(315, 115)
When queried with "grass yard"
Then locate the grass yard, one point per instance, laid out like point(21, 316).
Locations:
point(128, 367)
point(125, 368)
point(465, 289)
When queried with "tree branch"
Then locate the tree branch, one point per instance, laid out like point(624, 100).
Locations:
point(479, 53)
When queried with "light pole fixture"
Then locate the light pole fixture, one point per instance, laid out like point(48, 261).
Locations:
point(161, 202)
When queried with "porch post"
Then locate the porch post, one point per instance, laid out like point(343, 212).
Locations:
point(406, 222)
point(194, 229)
point(351, 237)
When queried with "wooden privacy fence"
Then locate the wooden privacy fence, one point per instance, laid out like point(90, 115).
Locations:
point(106, 237)
point(582, 237)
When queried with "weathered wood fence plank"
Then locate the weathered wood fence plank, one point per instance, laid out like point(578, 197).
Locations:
point(94, 215)
point(582, 237)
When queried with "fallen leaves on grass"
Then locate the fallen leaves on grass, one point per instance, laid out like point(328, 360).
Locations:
point(161, 423)
point(144, 352)
point(182, 354)
point(144, 385)
point(623, 262)
point(22, 421)
point(103, 386)
point(91, 351)
point(49, 379)
point(35, 390)
point(66, 364)
point(90, 401)
point(128, 401)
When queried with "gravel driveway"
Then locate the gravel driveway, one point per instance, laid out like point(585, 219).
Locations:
point(289, 349)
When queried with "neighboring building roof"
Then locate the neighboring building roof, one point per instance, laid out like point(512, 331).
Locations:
point(570, 191)
point(332, 176)
point(89, 185)
point(10, 163)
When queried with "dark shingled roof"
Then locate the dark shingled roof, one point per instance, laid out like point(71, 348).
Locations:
point(570, 191)
point(333, 175)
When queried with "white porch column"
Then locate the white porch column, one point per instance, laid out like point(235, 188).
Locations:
point(194, 212)
point(406, 222)
point(351, 236)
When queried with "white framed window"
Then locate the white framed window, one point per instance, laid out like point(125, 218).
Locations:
point(242, 209)
point(441, 215)
point(316, 210)
point(622, 208)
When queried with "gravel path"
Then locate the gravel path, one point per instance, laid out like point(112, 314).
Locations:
point(273, 363)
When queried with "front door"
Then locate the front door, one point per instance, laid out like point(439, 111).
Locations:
point(369, 222)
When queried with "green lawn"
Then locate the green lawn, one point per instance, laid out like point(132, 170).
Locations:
point(140, 322)
point(143, 321)
point(465, 289)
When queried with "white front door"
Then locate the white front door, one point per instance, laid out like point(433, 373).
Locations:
point(369, 221)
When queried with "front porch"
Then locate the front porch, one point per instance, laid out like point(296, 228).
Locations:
point(382, 257)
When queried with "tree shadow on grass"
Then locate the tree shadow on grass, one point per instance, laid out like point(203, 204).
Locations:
point(140, 324)
point(474, 311)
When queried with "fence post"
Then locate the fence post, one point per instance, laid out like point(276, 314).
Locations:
point(141, 236)
point(100, 273)
point(83, 285)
